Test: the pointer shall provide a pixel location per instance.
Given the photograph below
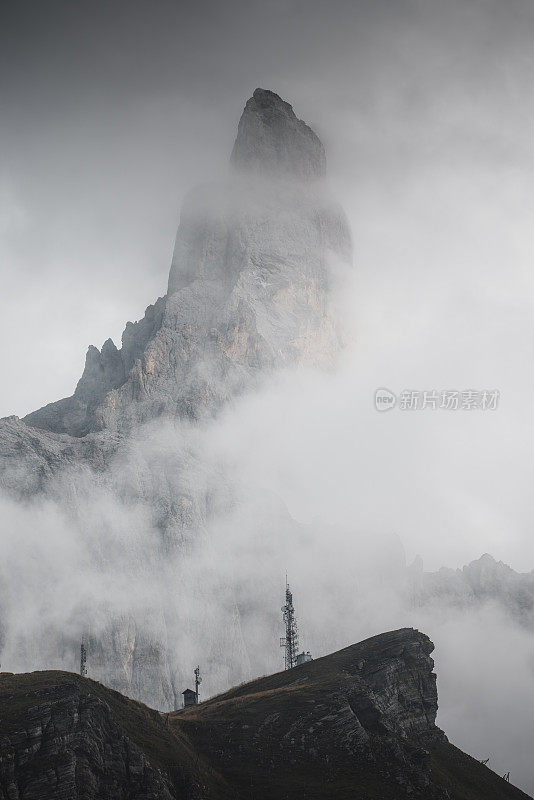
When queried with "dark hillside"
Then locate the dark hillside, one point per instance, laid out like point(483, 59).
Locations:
point(359, 723)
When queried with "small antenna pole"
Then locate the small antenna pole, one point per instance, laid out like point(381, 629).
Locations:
point(198, 681)
point(83, 658)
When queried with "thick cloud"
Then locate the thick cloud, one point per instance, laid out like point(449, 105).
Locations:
point(111, 112)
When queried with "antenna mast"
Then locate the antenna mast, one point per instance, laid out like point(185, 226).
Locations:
point(83, 658)
point(198, 681)
point(290, 642)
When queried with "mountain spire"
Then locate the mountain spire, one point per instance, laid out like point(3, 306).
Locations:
point(272, 140)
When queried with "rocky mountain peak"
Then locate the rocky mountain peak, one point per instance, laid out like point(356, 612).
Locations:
point(248, 288)
point(249, 293)
point(273, 141)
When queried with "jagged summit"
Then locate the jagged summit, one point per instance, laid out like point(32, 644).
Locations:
point(248, 288)
point(105, 371)
point(272, 140)
point(248, 294)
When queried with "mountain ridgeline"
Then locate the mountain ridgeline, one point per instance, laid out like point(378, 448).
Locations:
point(128, 531)
point(357, 723)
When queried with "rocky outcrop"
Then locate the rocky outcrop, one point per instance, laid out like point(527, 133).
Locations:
point(248, 294)
point(248, 288)
point(32, 458)
point(105, 370)
point(66, 743)
point(270, 139)
point(368, 709)
point(357, 723)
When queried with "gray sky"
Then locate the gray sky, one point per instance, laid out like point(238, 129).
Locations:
point(111, 111)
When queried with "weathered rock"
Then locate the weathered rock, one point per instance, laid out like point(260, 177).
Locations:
point(249, 293)
point(271, 140)
point(248, 288)
point(104, 371)
point(67, 744)
point(356, 723)
point(374, 704)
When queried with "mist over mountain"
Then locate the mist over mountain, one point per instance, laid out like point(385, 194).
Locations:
point(248, 289)
point(364, 717)
point(132, 519)
point(249, 293)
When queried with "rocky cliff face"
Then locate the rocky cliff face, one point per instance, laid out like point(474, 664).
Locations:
point(248, 288)
point(248, 294)
point(357, 723)
point(270, 139)
point(66, 743)
point(105, 371)
point(367, 710)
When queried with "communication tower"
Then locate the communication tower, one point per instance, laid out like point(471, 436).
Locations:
point(83, 658)
point(198, 681)
point(290, 642)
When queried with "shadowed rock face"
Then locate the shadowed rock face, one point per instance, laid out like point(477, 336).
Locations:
point(270, 139)
point(357, 723)
point(368, 710)
point(69, 745)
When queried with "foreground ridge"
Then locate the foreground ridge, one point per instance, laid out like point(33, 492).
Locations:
point(361, 720)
